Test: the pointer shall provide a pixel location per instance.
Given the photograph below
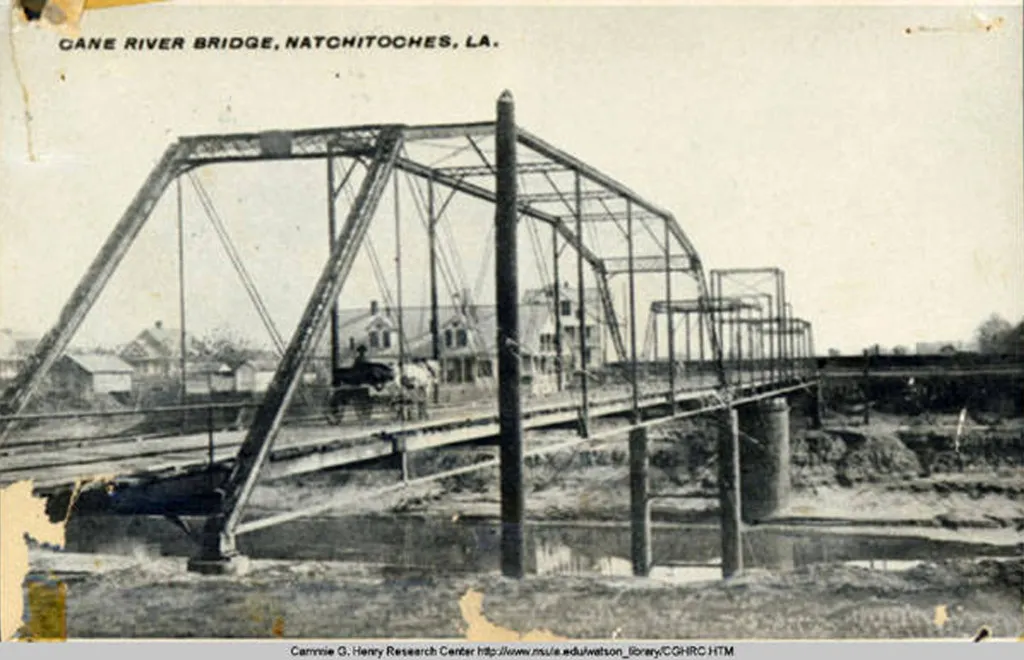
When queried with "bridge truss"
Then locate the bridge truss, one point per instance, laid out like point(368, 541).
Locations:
point(751, 338)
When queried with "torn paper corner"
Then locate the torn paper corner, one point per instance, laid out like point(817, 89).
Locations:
point(479, 629)
point(65, 16)
point(21, 514)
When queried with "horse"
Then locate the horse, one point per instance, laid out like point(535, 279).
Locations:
point(398, 386)
point(416, 381)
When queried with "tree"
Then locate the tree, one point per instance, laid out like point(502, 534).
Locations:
point(227, 346)
point(899, 350)
point(995, 335)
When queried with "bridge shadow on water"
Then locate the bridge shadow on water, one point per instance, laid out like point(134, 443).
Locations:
point(432, 546)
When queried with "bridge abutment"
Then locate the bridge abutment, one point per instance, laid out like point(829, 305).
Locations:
point(764, 458)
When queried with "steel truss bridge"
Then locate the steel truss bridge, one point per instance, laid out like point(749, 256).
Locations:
point(741, 343)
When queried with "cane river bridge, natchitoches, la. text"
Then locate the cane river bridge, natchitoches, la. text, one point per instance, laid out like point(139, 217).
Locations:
point(291, 42)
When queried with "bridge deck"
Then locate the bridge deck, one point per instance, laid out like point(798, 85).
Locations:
point(304, 449)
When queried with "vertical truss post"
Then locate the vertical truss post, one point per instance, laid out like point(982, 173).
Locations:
point(632, 315)
point(218, 544)
point(584, 369)
point(791, 336)
point(52, 345)
point(435, 329)
point(767, 328)
point(557, 301)
point(513, 502)
point(686, 323)
point(670, 323)
point(182, 366)
point(332, 232)
point(738, 334)
point(640, 516)
point(764, 348)
point(403, 411)
point(701, 308)
point(783, 345)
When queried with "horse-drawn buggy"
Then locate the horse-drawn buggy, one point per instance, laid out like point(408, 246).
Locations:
point(401, 390)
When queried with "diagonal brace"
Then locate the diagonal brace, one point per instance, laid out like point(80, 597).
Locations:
point(256, 447)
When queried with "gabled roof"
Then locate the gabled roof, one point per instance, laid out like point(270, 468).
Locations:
point(95, 363)
point(156, 342)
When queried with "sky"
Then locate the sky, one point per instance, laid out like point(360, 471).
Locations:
point(881, 170)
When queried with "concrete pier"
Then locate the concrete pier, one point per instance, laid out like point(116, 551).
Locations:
point(764, 458)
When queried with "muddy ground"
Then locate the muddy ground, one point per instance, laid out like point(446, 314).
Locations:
point(896, 474)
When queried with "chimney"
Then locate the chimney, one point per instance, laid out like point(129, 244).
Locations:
point(373, 307)
point(159, 325)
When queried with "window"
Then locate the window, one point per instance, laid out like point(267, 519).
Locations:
point(453, 371)
point(485, 369)
point(386, 339)
point(461, 337)
point(566, 308)
point(589, 329)
point(448, 338)
point(374, 340)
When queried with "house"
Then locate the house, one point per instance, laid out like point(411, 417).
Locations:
point(467, 334)
point(156, 351)
point(90, 374)
point(255, 374)
point(208, 377)
point(15, 348)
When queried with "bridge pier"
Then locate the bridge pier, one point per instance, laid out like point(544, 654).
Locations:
point(729, 500)
point(217, 552)
point(764, 458)
point(640, 513)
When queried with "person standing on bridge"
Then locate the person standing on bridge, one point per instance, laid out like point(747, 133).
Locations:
point(360, 358)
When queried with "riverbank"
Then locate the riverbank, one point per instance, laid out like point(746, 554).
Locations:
point(893, 485)
point(155, 597)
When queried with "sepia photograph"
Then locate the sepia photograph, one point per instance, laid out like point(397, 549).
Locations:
point(496, 323)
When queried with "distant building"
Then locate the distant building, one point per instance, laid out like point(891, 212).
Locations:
point(89, 374)
point(255, 374)
point(206, 377)
point(156, 351)
point(15, 348)
point(942, 347)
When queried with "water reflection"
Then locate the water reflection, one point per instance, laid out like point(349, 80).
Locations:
point(441, 545)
